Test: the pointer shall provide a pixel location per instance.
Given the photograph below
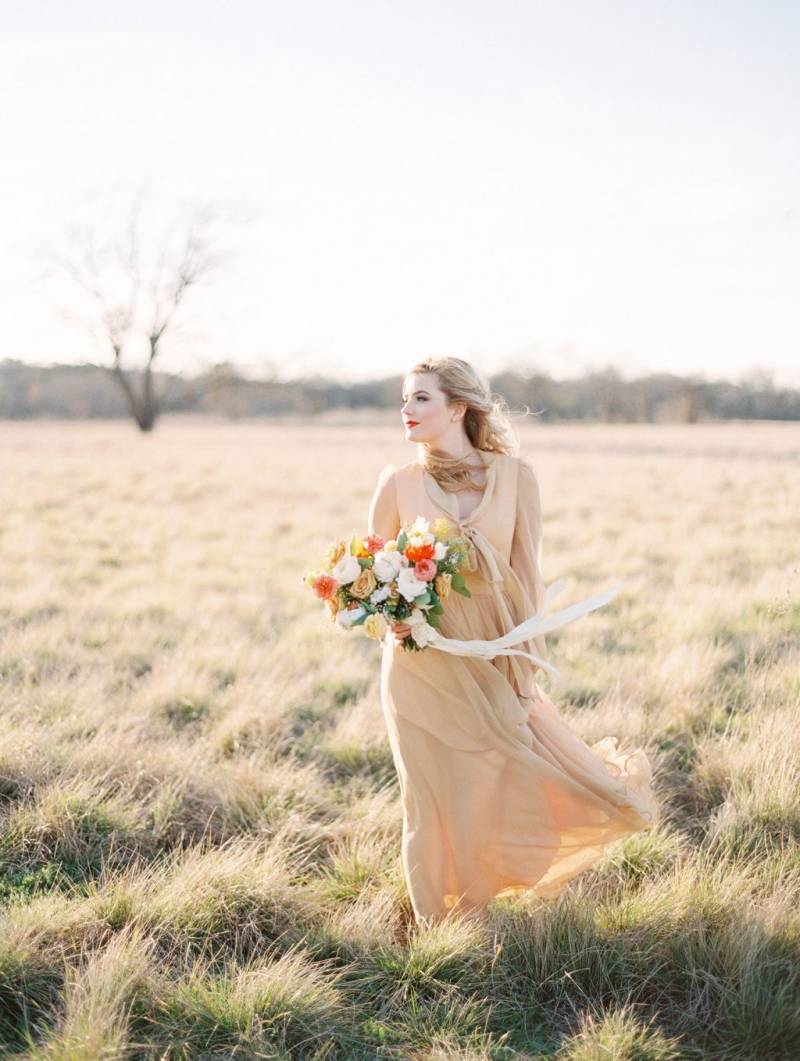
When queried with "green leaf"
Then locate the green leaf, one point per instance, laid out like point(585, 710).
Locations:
point(423, 598)
point(462, 590)
point(402, 541)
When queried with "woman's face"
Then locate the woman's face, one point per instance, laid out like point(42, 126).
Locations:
point(426, 414)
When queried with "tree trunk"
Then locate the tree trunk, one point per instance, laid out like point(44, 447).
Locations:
point(143, 407)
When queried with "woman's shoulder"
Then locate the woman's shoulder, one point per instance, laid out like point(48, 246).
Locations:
point(396, 473)
point(398, 470)
point(524, 465)
point(516, 464)
point(520, 474)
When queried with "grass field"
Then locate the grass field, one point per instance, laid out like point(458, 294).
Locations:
point(199, 816)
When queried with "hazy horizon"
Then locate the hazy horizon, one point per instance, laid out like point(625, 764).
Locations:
point(256, 373)
point(559, 188)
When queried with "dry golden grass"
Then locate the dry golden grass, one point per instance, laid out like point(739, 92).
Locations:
point(199, 818)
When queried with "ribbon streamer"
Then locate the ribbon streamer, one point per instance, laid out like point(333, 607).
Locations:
point(529, 628)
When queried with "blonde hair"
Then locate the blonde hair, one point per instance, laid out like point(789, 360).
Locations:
point(487, 423)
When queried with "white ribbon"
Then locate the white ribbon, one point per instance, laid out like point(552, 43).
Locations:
point(532, 627)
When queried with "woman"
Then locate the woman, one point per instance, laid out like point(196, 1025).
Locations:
point(499, 795)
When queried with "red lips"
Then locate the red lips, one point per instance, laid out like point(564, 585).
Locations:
point(411, 423)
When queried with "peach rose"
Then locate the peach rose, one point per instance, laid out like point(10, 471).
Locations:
point(425, 570)
point(364, 584)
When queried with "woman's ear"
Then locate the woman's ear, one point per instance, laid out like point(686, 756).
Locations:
point(459, 410)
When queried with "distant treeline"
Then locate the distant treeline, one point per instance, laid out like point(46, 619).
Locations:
point(85, 392)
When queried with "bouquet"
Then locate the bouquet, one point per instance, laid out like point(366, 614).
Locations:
point(374, 582)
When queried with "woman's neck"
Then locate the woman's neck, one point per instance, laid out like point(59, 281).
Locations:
point(452, 452)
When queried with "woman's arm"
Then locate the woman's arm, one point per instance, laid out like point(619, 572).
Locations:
point(384, 519)
point(526, 544)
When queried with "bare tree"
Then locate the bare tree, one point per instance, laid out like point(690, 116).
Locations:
point(132, 295)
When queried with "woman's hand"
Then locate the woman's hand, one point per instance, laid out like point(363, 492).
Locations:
point(400, 631)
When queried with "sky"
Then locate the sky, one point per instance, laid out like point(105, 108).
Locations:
point(551, 186)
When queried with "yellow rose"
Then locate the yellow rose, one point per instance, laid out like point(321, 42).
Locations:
point(390, 546)
point(470, 553)
point(442, 585)
point(335, 554)
point(309, 579)
point(375, 626)
point(442, 528)
point(365, 584)
point(358, 547)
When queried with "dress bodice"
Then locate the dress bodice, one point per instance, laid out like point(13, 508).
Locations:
point(419, 494)
point(505, 529)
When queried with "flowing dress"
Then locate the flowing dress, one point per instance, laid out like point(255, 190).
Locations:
point(499, 795)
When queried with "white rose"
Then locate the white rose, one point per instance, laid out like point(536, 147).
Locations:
point(417, 616)
point(391, 556)
point(383, 569)
point(422, 633)
point(409, 586)
point(345, 617)
point(439, 551)
point(420, 525)
point(346, 570)
point(380, 594)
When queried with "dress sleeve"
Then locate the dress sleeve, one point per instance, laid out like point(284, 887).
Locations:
point(526, 544)
point(384, 518)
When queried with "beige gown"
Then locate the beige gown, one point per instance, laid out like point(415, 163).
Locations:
point(499, 795)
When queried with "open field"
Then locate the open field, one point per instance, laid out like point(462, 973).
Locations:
point(199, 818)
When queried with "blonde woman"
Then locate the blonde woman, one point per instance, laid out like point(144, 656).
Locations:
point(499, 795)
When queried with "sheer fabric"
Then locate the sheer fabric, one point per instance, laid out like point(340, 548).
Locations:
point(499, 795)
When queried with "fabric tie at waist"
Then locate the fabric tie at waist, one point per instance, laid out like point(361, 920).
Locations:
point(489, 568)
point(485, 552)
point(540, 623)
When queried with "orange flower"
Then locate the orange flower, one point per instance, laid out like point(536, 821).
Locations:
point(419, 552)
point(324, 586)
point(374, 542)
